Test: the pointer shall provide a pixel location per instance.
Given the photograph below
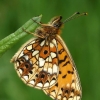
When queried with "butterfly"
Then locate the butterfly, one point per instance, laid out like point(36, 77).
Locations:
point(44, 62)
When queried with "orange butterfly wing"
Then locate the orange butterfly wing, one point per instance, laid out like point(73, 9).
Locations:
point(68, 85)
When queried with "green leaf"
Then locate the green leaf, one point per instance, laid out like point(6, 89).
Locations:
point(13, 38)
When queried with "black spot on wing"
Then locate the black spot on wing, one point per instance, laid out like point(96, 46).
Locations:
point(64, 76)
point(70, 72)
point(60, 61)
point(59, 72)
point(67, 62)
point(60, 51)
point(56, 84)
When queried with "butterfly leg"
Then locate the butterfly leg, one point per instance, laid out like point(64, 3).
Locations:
point(27, 31)
point(37, 22)
point(32, 33)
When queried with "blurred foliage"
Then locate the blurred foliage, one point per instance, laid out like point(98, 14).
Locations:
point(81, 35)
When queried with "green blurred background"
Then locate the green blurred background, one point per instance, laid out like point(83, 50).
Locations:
point(81, 35)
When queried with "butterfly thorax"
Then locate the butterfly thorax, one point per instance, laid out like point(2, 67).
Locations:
point(50, 30)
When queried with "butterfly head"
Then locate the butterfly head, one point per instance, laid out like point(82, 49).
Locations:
point(56, 22)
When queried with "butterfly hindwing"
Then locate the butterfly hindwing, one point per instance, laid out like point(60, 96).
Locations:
point(37, 64)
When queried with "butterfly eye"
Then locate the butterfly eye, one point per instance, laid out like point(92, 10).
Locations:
point(57, 25)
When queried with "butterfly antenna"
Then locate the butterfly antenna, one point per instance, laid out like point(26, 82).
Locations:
point(75, 15)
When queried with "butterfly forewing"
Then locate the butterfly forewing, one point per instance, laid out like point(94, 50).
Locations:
point(37, 63)
point(68, 85)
